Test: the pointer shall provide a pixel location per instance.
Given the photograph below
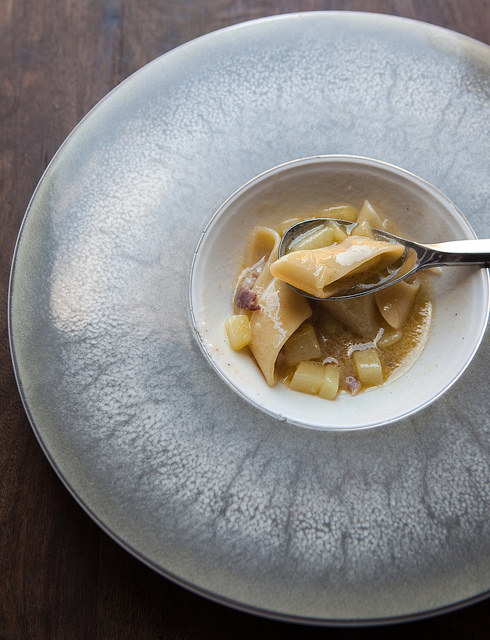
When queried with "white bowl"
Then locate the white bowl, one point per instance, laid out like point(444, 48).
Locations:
point(419, 210)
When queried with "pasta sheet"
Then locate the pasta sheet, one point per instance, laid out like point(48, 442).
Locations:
point(323, 272)
point(280, 309)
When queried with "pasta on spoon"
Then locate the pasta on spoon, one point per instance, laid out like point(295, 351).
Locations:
point(325, 271)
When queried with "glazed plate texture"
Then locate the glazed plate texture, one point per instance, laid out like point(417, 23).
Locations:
point(305, 525)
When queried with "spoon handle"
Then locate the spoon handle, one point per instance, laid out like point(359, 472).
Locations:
point(458, 252)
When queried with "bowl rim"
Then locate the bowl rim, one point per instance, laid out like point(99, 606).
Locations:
point(342, 159)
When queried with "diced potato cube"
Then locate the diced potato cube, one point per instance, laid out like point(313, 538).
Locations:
point(330, 385)
point(307, 378)
point(316, 239)
point(368, 367)
point(238, 331)
point(341, 212)
point(302, 345)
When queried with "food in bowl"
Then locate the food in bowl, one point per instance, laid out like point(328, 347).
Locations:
point(323, 348)
point(459, 298)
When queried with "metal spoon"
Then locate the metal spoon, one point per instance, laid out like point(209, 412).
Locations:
point(415, 257)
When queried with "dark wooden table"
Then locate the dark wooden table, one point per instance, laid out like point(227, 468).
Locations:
point(60, 576)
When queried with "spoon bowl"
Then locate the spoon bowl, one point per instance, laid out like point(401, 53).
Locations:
point(416, 256)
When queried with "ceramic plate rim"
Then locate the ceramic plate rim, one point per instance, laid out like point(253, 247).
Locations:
point(66, 482)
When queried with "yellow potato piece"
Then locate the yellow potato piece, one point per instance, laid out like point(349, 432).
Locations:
point(341, 212)
point(389, 339)
point(307, 378)
point(238, 331)
point(317, 238)
point(368, 367)
point(330, 385)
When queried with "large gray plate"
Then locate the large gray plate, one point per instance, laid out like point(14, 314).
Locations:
point(366, 526)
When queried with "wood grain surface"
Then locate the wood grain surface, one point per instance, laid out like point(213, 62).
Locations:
point(60, 575)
